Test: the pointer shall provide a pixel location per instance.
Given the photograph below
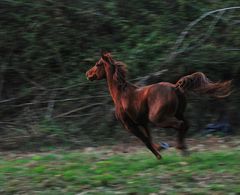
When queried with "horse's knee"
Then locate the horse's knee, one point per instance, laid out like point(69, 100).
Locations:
point(153, 118)
point(184, 127)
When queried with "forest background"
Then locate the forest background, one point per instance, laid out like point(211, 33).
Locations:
point(47, 46)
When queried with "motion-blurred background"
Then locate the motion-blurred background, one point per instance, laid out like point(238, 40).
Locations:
point(47, 46)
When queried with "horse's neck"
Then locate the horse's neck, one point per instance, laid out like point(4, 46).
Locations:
point(113, 85)
point(114, 89)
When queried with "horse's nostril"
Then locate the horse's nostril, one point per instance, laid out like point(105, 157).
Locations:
point(87, 75)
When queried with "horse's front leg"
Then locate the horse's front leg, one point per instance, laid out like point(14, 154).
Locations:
point(144, 136)
point(157, 146)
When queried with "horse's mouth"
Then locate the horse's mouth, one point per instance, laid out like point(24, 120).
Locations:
point(91, 78)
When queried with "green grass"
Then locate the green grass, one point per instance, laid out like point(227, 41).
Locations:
point(73, 172)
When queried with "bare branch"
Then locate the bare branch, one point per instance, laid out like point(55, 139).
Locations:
point(50, 106)
point(185, 32)
point(78, 115)
point(77, 109)
point(55, 100)
point(200, 41)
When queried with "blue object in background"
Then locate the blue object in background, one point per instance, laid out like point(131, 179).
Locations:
point(164, 145)
point(218, 127)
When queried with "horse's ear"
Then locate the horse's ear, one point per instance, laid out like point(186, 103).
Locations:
point(104, 54)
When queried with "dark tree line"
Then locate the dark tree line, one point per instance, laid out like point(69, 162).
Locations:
point(47, 45)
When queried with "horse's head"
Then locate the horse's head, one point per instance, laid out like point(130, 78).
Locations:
point(97, 72)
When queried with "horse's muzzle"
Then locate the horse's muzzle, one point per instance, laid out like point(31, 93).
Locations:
point(91, 77)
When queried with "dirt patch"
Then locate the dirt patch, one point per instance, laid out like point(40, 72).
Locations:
point(207, 143)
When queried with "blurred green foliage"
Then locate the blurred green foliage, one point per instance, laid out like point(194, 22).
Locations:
point(47, 45)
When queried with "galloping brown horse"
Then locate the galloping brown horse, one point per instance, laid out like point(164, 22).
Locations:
point(162, 104)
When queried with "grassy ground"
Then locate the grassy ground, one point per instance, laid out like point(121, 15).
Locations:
point(103, 171)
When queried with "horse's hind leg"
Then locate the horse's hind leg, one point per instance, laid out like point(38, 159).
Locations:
point(170, 122)
point(180, 125)
point(182, 131)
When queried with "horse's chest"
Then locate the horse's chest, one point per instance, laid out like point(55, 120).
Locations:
point(125, 105)
point(122, 109)
point(133, 108)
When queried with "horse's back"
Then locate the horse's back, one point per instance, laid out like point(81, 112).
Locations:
point(151, 101)
point(163, 89)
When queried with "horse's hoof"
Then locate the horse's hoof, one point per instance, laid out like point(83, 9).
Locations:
point(159, 157)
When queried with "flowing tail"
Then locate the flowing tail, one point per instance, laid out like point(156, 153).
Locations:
point(199, 83)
